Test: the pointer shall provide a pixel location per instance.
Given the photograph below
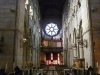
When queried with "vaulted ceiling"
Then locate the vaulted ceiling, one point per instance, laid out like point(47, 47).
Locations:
point(51, 9)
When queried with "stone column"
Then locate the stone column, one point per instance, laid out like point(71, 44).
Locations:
point(81, 52)
point(71, 58)
point(75, 52)
point(34, 57)
point(65, 57)
point(38, 58)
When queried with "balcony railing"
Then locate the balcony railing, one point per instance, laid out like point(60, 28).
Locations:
point(51, 49)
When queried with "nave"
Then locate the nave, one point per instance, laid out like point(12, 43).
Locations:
point(62, 32)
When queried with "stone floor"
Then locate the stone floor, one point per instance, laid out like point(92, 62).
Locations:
point(52, 71)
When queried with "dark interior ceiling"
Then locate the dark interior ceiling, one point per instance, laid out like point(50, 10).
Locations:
point(51, 9)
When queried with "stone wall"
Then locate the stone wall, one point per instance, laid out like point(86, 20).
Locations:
point(7, 28)
point(16, 25)
point(20, 32)
point(76, 18)
point(95, 19)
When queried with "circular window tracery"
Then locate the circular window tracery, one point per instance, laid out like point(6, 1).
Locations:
point(51, 29)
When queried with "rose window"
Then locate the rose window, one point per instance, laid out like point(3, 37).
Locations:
point(51, 29)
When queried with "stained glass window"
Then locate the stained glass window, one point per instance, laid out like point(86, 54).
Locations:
point(51, 29)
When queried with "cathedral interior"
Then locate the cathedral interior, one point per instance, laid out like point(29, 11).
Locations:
point(49, 37)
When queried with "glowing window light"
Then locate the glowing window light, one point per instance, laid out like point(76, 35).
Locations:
point(51, 29)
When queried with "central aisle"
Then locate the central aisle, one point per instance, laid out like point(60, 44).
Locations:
point(52, 71)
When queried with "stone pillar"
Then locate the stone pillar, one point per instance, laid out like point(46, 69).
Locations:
point(71, 58)
point(65, 57)
point(34, 57)
point(81, 52)
point(78, 54)
point(38, 59)
point(75, 52)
